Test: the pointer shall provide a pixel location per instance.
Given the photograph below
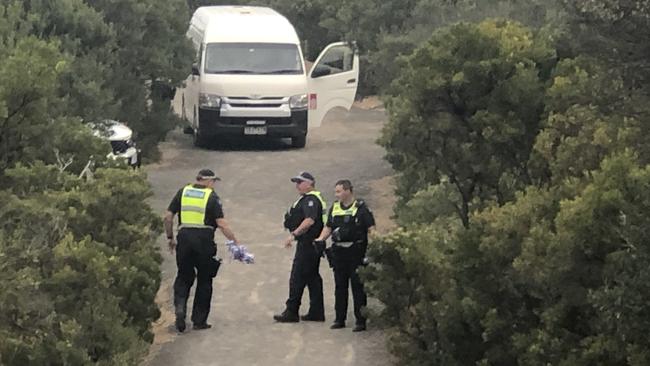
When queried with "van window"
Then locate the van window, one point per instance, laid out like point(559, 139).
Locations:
point(252, 58)
point(338, 59)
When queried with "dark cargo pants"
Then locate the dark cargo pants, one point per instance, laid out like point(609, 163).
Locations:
point(346, 262)
point(304, 273)
point(194, 254)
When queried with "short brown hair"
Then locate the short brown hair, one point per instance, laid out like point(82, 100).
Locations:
point(345, 183)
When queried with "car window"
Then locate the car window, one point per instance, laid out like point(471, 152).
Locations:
point(338, 59)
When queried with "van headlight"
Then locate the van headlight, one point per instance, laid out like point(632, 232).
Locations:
point(299, 101)
point(209, 101)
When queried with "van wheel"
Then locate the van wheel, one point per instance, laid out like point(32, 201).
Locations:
point(299, 142)
point(199, 139)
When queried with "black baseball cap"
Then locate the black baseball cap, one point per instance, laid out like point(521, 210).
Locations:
point(207, 174)
point(303, 177)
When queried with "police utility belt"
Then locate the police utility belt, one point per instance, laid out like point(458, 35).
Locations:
point(344, 244)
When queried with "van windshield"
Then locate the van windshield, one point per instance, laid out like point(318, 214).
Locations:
point(252, 58)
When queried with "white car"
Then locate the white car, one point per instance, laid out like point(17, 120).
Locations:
point(120, 137)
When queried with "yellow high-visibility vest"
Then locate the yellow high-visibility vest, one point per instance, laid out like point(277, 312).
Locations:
point(323, 204)
point(346, 230)
point(194, 202)
point(337, 209)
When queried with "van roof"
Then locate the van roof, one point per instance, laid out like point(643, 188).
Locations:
point(244, 24)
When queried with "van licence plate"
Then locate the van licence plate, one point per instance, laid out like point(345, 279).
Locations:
point(255, 130)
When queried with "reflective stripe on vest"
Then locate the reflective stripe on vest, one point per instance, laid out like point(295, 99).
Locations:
point(194, 202)
point(323, 204)
point(337, 210)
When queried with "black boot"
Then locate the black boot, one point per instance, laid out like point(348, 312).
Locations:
point(180, 324)
point(202, 326)
point(180, 318)
point(286, 317)
point(337, 324)
point(312, 318)
point(359, 327)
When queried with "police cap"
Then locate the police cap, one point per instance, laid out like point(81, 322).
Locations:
point(303, 177)
point(207, 174)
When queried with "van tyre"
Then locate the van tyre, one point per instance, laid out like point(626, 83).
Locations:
point(299, 142)
point(199, 139)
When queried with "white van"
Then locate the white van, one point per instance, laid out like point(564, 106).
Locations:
point(250, 79)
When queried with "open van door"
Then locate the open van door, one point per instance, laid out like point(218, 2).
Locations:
point(332, 81)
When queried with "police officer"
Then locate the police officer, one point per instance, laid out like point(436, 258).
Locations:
point(349, 221)
point(304, 220)
point(200, 214)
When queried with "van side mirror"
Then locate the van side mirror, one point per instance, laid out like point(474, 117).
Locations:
point(195, 69)
point(320, 71)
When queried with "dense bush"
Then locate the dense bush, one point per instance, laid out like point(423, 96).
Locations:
point(549, 265)
point(115, 53)
point(467, 107)
point(79, 271)
point(558, 276)
point(79, 268)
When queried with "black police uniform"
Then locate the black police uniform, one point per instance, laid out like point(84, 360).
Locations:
point(306, 261)
point(346, 260)
point(195, 253)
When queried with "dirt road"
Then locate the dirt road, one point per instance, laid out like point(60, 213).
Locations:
point(255, 191)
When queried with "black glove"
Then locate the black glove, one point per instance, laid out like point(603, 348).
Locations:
point(320, 247)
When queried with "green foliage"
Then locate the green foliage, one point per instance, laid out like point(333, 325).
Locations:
point(590, 114)
point(555, 277)
point(387, 37)
point(613, 31)
point(550, 267)
point(436, 202)
point(113, 58)
point(151, 49)
point(79, 267)
point(28, 76)
point(407, 279)
point(585, 270)
point(78, 261)
point(467, 106)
